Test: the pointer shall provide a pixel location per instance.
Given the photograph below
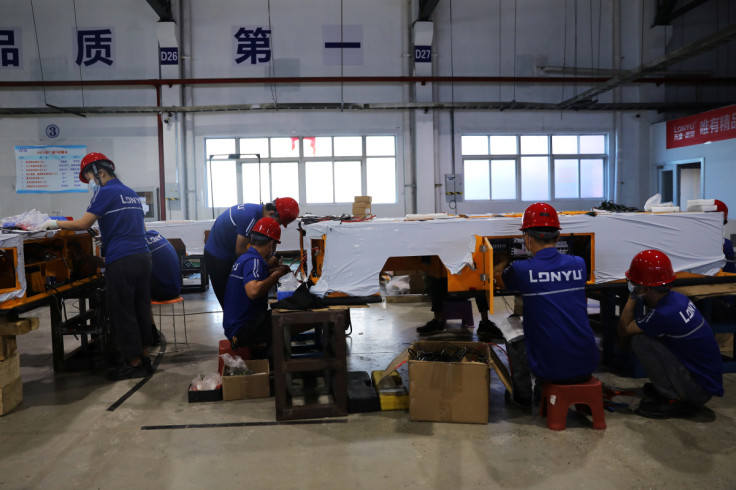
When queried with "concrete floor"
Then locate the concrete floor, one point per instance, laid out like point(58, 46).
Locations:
point(63, 436)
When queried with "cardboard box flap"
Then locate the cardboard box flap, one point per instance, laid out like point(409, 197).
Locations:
point(500, 370)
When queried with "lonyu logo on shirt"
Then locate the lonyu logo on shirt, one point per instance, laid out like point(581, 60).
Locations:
point(556, 276)
point(689, 312)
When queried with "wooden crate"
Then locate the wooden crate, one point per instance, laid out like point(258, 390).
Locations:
point(8, 346)
point(11, 395)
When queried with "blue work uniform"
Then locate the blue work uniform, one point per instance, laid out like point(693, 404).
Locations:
point(239, 310)
point(560, 343)
point(238, 220)
point(678, 324)
point(730, 256)
point(127, 265)
point(165, 267)
point(120, 213)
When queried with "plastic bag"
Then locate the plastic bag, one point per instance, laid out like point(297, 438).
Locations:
point(28, 220)
point(207, 382)
point(655, 202)
point(288, 283)
point(235, 365)
point(398, 285)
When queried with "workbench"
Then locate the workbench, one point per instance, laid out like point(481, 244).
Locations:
point(46, 269)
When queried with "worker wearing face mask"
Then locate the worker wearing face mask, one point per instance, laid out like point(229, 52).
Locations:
point(558, 344)
point(119, 212)
point(228, 238)
point(671, 339)
point(246, 318)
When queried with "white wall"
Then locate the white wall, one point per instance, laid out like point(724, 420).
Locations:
point(472, 38)
point(718, 170)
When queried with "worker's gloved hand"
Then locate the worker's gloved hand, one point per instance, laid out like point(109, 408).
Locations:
point(49, 224)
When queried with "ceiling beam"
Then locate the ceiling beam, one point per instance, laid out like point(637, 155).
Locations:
point(162, 9)
point(662, 107)
point(702, 46)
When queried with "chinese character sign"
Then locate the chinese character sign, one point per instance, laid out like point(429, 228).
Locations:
point(253, 45)
point(9, 48)
point(94, 46)
point(715, 125)
point(41, 169)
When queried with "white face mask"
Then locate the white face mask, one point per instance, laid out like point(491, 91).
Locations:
point(93, 186)
point(633, 288)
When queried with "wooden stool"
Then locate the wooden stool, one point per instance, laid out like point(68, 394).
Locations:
point(175, 345)
point(556, 399)
point(317, 376)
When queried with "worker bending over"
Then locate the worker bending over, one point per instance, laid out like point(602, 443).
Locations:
point(558, 342)
point(246, 318)
point(228, 238)
point(671, 339)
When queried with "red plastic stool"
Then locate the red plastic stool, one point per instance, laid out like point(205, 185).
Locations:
point(556, 399)
point(224, 348)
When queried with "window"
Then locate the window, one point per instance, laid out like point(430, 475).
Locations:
point(535, 167)
point(311, 169)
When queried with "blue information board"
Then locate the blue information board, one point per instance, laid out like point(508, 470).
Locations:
point(42, 169)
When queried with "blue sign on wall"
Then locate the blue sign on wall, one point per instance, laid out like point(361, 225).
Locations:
point(422, 54)
point(169, 56)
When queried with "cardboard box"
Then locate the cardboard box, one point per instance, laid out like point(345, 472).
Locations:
point(247, 386)
point(361, 209)
point(8, 346)
point(364, 199)
point(9, 369)
point(450, 391)
point(11, 395)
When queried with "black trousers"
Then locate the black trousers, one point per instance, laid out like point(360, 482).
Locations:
point(219, 271)
point(437, 289)
point(128, 299)
point(256, 332)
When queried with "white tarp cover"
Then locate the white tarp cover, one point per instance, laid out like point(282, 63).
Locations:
point(191, 232)
point(356, 252)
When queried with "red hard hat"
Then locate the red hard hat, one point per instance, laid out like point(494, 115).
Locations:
point(91, 158)
point(721, 206)
point(287, 209)
point(269, 227)
point(540, 214)
point(651, 268)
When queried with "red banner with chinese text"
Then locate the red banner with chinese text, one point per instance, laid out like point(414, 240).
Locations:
point(715, 125)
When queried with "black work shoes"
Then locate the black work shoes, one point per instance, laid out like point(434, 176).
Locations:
point(665, 408)
point(431, 327)
point(488, 330)
point(128, 371)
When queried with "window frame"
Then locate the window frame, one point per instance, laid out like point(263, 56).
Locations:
point(551, 158)
point(301, 160)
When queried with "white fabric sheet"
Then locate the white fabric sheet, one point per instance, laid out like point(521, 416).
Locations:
point(356, 252)
point(191, 232)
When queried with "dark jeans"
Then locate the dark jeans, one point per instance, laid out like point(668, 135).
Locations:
point(128, 300)
point(256, 332)
point(666, 372)
point(521, 377)
point(437, 289)
point(219, 271)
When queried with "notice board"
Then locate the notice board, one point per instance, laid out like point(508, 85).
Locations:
point(42, 169)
